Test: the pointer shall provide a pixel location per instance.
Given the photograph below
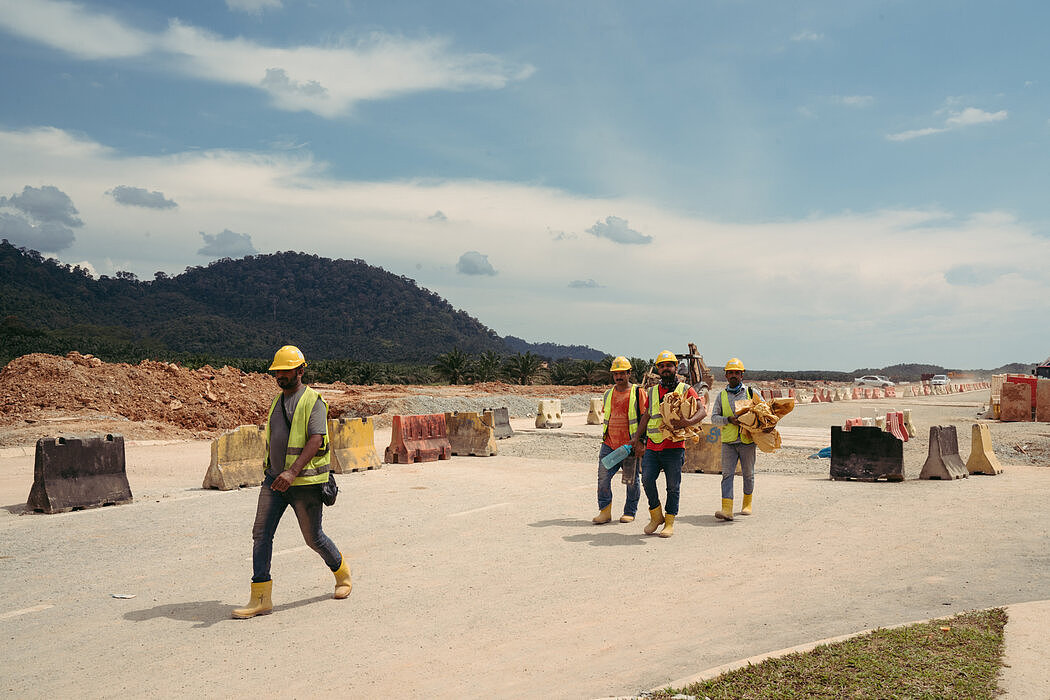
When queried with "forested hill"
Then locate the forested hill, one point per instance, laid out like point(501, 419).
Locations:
point(236, 308)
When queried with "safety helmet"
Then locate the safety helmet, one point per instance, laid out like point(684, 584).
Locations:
point(734, 363)
point(288, 357)
point(666, 356)
point(620, 364)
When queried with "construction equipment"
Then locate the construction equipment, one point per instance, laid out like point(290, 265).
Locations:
point(698, 375)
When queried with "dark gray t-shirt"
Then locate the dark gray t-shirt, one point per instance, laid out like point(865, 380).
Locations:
point(317, 425)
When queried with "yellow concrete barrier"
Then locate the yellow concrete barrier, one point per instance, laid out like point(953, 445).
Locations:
point(237, 459)
point(596, 413)
point(471, 434)
point(982, 457)
point(548, 414)
point(352, 442)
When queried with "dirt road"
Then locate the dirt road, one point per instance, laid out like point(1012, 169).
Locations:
point(483, 577)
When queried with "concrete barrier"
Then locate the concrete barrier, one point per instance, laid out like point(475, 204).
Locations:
point(865, 453)
point(895, 425)
point(1015, 402)
point(595, 413)
point(943, 461)
point(501, 422)
point(548, 414)
point(982, 457)
point(471, 434)
point(705, 456)
point(74, 473)
point(237, 458)
point(907, 422)
point(352, 442)
point(418, 439)
point(1042, 401)
point(852, 423)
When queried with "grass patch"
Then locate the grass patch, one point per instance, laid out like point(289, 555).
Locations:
point(918, 661)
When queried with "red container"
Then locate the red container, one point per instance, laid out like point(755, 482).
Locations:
point(1029, 379)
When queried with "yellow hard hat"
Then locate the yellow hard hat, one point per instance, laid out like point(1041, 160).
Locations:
point(734, 363)
point(665, 356)
point(288, 357)
point(620, 364)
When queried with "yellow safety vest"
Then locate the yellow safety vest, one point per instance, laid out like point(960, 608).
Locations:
point(316, 470)
point(731, 432)
point(652, 430)
point(632, 410)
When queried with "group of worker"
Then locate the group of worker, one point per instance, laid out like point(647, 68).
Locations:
point(633, 417)
point(298, 460)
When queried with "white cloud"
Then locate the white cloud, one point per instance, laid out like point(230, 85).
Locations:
point(326, 80)
point(226, 244)
point(584, 284)
point(289, 201)
point(253, 6)
point(970, 116)
point(474, 263)
point(856, 100)
point(807, 35)
point(139, 197)
point(616, 230)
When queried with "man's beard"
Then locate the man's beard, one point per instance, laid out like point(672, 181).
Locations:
point(669, 380)
point(287, 382)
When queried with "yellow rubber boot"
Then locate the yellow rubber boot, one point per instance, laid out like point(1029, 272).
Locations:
point(343, 584)
point(727, 510)
point(260, 604)
point(604, 515)
point(746, 510)
point(626, 518)
point(668, 526)
point(656, 517)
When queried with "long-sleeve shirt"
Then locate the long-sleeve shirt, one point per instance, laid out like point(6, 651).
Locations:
point(716, 411)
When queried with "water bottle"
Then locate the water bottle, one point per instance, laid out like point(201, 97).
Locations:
point(616, 456)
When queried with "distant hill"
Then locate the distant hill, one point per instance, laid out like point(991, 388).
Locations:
point(553, 351)
point(237, 308)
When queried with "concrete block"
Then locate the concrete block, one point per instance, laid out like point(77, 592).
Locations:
point(1015, 402)
point(943, 461)
point(982, 457)
point(237, 458)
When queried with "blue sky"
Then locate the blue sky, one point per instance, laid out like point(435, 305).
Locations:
point(803, 185)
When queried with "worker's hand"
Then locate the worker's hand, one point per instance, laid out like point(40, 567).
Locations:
point(732, 420)
point(283, 480)
point(678, 423)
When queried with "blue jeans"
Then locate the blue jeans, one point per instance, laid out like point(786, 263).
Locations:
point(306, 503)
point(630, 507)
point(668, 460)
point(731, 451)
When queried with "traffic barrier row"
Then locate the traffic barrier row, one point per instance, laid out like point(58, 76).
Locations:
point(74, 473)
point(1024, 398)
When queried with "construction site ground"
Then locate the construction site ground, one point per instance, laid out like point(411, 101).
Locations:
point(476, 576)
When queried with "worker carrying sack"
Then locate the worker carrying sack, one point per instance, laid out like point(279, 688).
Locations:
point(329, 490)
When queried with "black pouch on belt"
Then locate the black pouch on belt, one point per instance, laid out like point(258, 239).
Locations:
point(329, 490)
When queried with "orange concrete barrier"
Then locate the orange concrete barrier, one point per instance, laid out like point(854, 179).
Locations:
point(982, 457)
point(1042, 401)
point(73, 473)
point(352, 442)
point(418, 439)
point(895, 425)
point(943, 460)
point(1015, 402)
point(237, 458)
point(852, 423)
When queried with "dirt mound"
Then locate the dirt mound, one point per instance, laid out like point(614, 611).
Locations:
point(205, 399)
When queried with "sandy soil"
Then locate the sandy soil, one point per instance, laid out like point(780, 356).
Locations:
point(479, 577)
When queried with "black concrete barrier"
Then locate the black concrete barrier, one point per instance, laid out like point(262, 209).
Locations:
point(866, 453)
point(73, 473)
point(501, 422)
point(943, 461)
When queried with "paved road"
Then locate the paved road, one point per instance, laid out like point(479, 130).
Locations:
point(484, 577)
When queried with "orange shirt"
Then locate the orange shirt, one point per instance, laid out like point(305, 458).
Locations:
point(619, 432)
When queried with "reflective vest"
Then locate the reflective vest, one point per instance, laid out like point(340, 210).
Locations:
point(316, 470)
point(730, 432)
point(632, 410)
point(652, 430)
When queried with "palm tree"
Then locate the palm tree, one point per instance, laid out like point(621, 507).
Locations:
point(563, 372)
point(523, 368)
point(452, 366)
point(486, 367)
point(589, 371)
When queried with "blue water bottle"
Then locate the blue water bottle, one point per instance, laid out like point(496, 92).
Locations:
point(616, 456)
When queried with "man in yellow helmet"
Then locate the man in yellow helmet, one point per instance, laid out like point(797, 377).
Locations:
point(735, 444)
point(623, 404)
point(296, 466)
point(662, 453)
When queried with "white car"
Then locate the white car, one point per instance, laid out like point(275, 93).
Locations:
point(939, 380)
point(873, 380)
